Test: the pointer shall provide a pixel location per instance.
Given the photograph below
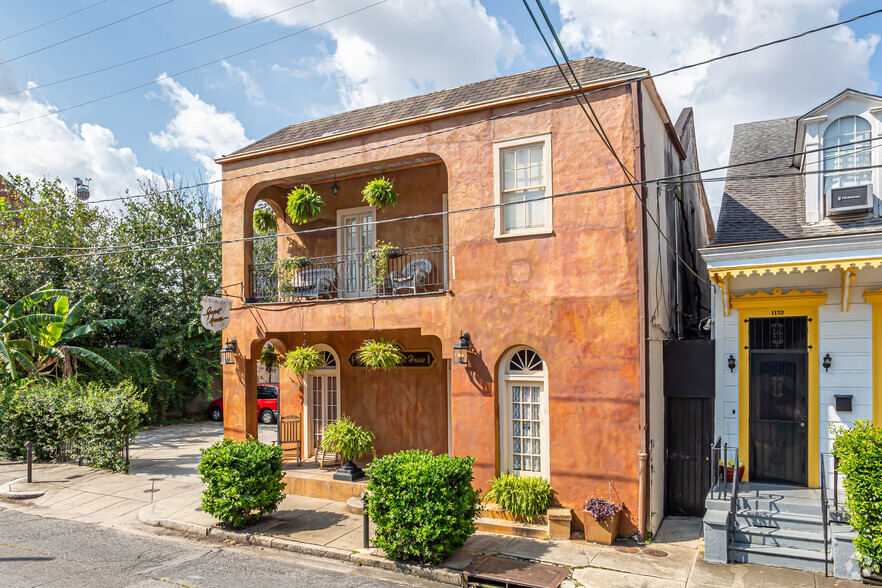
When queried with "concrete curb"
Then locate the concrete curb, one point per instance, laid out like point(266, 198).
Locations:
point(147, 516)
point(6, 491)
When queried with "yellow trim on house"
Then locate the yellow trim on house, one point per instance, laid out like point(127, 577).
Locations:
point(788, 268)
point(874, 297)
point(760, 305)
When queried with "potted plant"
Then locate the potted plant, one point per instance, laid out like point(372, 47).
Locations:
point(601, 520)
point(379, 193)
point(264, 221)
point(343, 436)
point(288, 266)
point(304, 204)
point(382, 354)
point(378, 262)
point(303, 359)
point(729, 469)
point(524, 498)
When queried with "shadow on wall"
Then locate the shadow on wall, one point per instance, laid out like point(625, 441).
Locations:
point(479, 375)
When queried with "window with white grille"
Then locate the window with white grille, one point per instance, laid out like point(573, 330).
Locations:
point(524, 438)
point(523, 184)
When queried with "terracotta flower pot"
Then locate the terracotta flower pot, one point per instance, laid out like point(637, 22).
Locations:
point(604, 533)
point(730, 471)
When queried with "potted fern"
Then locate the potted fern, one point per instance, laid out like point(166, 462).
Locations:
point(304, 204)
point(379, 193)
point(303, 359)
point(343, 436)
point(382, 354)
point(264, 221)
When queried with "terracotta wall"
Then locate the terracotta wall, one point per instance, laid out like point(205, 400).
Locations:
point(572, 294)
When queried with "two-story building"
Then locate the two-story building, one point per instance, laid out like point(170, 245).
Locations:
point(528, 237)
point(798, 317)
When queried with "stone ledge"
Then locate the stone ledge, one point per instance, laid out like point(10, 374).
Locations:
point(7, 492)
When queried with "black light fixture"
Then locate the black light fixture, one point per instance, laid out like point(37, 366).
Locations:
point(731, 363)
point(335, 187)
point(461, 349)
point(828, 361)
point(228, 351)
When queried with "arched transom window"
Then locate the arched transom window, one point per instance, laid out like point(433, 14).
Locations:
point(847, 153)
point(524, 414)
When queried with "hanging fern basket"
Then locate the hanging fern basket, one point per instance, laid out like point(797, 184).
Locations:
point(264, 221)
point(304, 204)
point(303, 359)
point(384, 354)
point(379, 193)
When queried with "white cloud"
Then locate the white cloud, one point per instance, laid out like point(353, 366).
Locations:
point(48, 146)
point(253, 91)
point(784, 80)
point(399, 48)
point(198, 128)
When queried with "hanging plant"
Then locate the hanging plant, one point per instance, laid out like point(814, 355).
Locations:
point(304, 204)
point(378, 262)
point(384, 354)
point(303, 359)
point(264, 221)
point(287, 267)
point(378, 192)
point(268, 357)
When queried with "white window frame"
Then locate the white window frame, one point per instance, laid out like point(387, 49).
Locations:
point(506, 380)
point(825, 154)
point(307, 400)
point(341, 269)
point(499, 231)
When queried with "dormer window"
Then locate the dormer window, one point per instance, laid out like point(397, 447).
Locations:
point(842, 134)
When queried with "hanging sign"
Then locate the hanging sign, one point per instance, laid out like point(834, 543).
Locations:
point(215, 313)
point(412, 359)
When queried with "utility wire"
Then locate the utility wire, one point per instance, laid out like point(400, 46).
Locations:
point(130, 61)
point(110, 247)
point(191, 69)
point(49, 22)
point(83, 34)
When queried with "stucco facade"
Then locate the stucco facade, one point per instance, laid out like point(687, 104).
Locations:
point(575, 294)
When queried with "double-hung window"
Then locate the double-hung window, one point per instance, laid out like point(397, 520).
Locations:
point(523, 183)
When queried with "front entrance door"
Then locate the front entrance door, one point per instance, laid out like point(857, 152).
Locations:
point(779, 400)
point(325, 401)
point(356, 239)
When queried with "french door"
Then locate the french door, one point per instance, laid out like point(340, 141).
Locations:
point(325, 403)
point(356, 239)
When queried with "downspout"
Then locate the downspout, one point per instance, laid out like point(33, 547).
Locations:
point(643, 305)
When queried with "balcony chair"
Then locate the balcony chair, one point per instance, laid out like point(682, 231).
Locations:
point(310, 283)
point(413, 275)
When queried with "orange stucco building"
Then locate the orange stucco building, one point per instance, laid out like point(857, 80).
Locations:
point(559, 295)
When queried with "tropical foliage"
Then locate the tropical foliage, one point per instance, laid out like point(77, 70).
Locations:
point(522, 496)
point(304, 204)
point(382, 354)
point(343, 436)
point(269, 357)
point(264, 221)
point(379, 193)
point(303, 359)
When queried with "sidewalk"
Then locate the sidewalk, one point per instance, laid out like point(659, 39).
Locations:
point(325, 528)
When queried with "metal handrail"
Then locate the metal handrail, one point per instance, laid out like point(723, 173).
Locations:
point(733, 508)
point(824, 515)
point(715, 461)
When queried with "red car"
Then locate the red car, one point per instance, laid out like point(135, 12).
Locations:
point(267, 405)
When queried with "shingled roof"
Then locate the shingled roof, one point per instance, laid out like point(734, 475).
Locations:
point(772, 208)
point(589, 70)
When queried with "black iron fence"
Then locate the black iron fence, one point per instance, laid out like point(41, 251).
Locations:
point(401, 272)
point(109, 454)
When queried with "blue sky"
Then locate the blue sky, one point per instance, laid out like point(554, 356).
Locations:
point(394, 49)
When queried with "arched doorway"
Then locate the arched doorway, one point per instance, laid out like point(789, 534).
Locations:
point(322, 403)
point(523, 413)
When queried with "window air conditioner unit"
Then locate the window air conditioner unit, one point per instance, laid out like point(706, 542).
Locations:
point(849, 200)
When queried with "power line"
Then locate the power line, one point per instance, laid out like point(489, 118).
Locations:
point(188, 70)
point(49, 22)
point(83, 34)
point(111, 247)
point(130, 61)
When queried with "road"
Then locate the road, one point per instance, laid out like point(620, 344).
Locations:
point(37, 551)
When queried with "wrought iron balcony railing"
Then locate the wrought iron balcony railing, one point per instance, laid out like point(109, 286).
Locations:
point(405, 271)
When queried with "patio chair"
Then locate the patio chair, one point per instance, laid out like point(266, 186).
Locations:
point(327, 460)
point(310, 283)
point(290, 438)
point(413, 275)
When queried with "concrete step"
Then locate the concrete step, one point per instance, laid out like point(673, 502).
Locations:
point(788, 505)
point(808, 540)
point(779, 557)
point(778, 520)
point(506, 527)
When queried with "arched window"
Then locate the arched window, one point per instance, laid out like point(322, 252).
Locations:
point(523, 413)
point(844, 156)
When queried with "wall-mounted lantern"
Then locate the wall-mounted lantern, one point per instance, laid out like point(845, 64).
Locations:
point(335, 187)
point(228, 351)
point(828, 361)
point(461, 349)
point(731, 363)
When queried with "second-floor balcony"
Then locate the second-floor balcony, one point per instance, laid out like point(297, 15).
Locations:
point(399, 271)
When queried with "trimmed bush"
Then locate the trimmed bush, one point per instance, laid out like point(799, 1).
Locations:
point(522, 496)
point(96, 418)
point(423, 504)
point(859, 450)
point(244, 481)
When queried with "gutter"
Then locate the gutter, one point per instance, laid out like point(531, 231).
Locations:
point(643, 304)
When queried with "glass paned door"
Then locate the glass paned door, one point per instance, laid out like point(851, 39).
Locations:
point(526, 428)
point(358, 238)
point(325, 403)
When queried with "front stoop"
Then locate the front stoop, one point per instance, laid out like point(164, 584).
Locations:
point(322, 486)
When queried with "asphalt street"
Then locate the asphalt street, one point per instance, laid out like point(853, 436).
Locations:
point(37, 551)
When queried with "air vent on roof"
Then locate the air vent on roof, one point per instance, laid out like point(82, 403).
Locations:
point(849, 200)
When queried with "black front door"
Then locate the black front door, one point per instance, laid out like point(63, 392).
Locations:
point(779, 400)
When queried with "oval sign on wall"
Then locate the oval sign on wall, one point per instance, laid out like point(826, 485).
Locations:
point(412, 359)
point(215, 314)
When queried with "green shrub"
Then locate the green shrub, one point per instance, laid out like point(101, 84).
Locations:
point(343, 436)
point(522, 496)
point(244, 480)
point(423, 504)
point(96, 418)
point(859, 450)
